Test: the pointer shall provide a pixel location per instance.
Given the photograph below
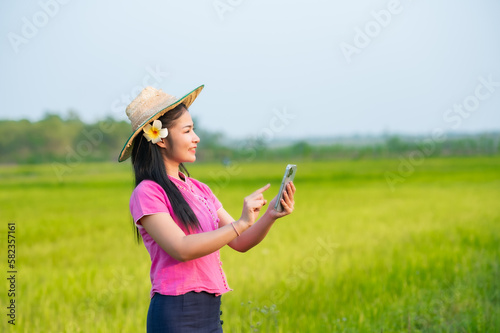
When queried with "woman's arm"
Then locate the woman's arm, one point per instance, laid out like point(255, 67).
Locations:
point(170, 237)
point(250, 237)
point(162, 228)
point(259, 230)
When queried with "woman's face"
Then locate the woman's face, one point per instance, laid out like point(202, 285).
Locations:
point(181, 142)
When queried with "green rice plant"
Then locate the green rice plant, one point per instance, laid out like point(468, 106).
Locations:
point(355, 256)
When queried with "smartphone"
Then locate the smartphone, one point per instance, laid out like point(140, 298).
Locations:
point(290, 171)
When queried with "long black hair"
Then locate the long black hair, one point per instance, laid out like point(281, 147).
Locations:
point(147, 160)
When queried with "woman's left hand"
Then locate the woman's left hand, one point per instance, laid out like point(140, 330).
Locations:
point(287, 203)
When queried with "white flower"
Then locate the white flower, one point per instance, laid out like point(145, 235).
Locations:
point(154, 132)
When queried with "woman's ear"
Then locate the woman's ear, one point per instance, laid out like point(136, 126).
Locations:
point(162, 144)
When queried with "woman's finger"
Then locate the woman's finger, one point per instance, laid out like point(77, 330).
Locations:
point(291, 189)
point(288, 196)
point(291, 193)
point(286, 207)
point(262, 189)
point(288, 200)
point(256, 203)
point(285, 194)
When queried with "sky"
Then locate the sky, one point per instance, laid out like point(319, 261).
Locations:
point(280, 69)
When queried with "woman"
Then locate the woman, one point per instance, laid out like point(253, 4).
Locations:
point(182, 224)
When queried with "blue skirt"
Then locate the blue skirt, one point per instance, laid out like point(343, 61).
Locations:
point(191, 312)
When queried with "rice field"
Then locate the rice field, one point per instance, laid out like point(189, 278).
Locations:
point(357, 255)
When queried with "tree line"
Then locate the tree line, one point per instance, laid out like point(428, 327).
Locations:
point(70, 140)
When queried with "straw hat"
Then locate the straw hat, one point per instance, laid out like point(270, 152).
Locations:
point(150, 105)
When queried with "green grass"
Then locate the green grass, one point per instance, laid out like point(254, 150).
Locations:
point(355, 256)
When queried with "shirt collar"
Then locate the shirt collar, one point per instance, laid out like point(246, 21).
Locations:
point(180, 181)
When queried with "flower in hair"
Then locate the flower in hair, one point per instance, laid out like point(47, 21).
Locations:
point(154, 133)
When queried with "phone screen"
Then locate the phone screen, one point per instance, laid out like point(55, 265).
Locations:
point(289, 175)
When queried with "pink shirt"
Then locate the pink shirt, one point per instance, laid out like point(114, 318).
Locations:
point(169, 276)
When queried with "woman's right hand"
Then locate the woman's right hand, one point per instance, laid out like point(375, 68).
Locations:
point(252, 205)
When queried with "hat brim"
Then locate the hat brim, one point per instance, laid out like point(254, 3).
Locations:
point(187, 100)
